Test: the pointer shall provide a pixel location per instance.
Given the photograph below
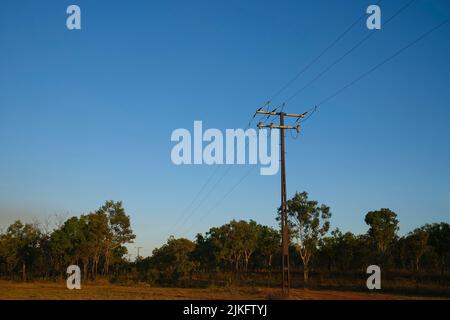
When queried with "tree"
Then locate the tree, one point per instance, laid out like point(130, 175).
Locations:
point(232, 244)
point(93, 239)
point(247, 235)
point(204, 252)
point(416, 245)
point(70, 244)
point(98, 230)
point(383, 227)
point(340, 250)
point(20, 246)
point(309, 224)
point(118, 231)
point(173, 260)
point(228, 243)
point(269, 244)
point(439, 240)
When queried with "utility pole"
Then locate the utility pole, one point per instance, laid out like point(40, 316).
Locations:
point(284, 219)
point(138, 248)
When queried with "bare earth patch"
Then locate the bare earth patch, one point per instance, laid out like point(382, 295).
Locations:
point(104, 291)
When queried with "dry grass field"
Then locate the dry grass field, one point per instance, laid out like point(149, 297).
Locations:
point(104, 291)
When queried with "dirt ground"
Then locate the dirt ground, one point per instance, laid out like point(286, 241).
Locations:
point(104, 291)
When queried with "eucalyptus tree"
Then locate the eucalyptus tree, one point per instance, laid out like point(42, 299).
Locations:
point(309, 223)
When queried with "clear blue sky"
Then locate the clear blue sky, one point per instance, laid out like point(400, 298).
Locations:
point(86, 116)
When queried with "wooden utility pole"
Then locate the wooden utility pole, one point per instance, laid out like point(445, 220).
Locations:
point(286, 284)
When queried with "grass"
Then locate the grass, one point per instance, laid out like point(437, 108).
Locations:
point(10, 290)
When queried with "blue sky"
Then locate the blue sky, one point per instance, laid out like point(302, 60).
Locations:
point(87, 115)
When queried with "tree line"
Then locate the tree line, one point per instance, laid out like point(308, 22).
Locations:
point(97, 243)
point(243, 246)
point(94, 241)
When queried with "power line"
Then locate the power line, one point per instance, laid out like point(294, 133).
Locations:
point(308, 114)
point(315, 108)
point(186, 209)
point(323, 52)
point(225, 196)
point(254, 115)
point(309, 65)
point(329, 67)
point(234, 186)
point(401, 50)
point(398, 52)
point(194, 210)
point(273, 111)
point(290, 82)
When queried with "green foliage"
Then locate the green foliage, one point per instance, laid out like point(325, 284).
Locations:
point(268, 245)
point(97, 242)
point(343, 251)
point(70, 243)
point(383, 227)
point(89, 240)
point(232, 246)
point(20, 247)
point(309, 224)
point(413, 246)
point(113, 228)
point(439, 240)
point(172, 261)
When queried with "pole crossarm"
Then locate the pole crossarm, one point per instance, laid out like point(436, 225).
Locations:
point(276, 126)
point(294, 115)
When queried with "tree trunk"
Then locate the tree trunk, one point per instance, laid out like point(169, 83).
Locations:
point(305, 259)
point(247, 258)
point(92, 269)
point(96, 266)
point(24, 273)
point(305, 274)
point(107, 259)
point(85, 268)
